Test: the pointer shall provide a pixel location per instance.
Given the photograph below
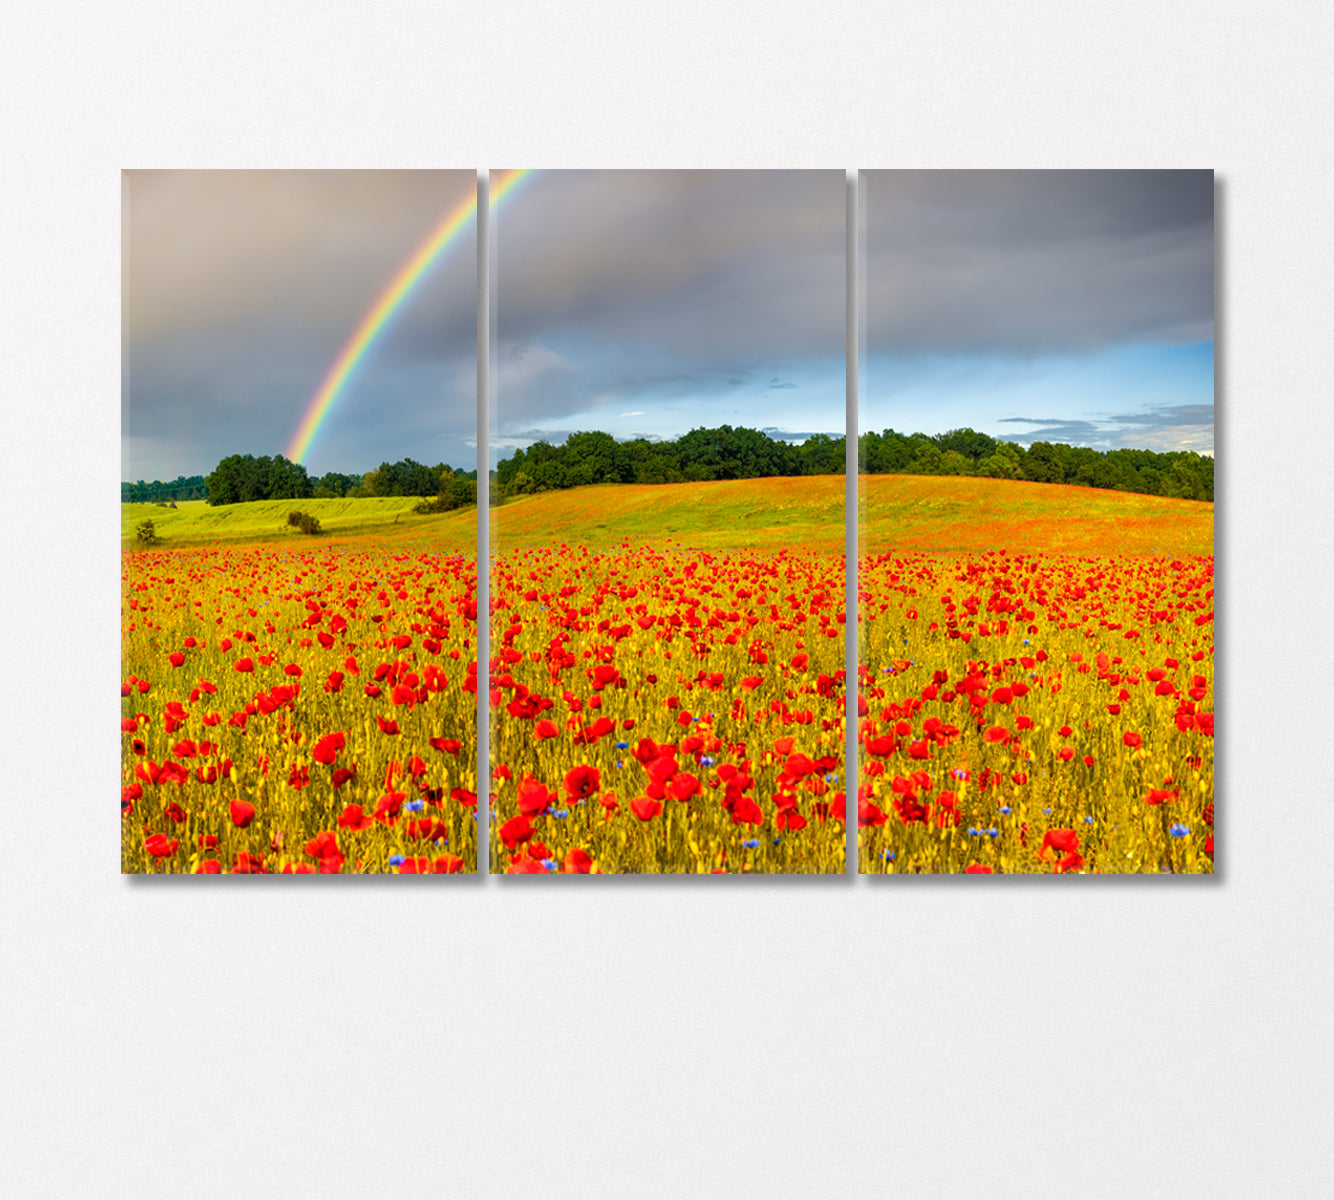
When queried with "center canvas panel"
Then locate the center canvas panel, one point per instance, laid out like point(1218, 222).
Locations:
point(298, 692)
point(667, 522)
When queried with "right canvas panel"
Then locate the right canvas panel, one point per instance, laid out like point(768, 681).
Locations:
point(1036, 525)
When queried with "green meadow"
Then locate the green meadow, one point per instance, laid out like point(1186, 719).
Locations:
point(389, 521)
point(802, 514)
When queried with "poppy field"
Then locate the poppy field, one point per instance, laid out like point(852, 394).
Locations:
point(1033, 713)
point(288, 710)
point(666, 711)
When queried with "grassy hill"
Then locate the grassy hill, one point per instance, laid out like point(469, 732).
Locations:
point(390, 521)
point(897, 512)
point(933, 513)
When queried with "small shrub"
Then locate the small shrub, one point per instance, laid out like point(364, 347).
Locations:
point(147, 534)
point(436, 504)
point(304, 522)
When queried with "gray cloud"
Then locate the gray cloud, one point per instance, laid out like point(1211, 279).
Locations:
point(1162, 428)
point(241, 287)
point(660, 284)
point(1037, 262)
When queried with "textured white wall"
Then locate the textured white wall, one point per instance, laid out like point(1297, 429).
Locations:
point(639, 1037)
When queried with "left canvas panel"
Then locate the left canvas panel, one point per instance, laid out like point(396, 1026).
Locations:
point(298, 581)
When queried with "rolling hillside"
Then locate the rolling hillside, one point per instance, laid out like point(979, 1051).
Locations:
point(907, 512)
point(897, 511)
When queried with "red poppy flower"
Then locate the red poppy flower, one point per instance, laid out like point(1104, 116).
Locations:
point(583, 781)
point(354, 818)
point(977, 869)
point(323, 845)
point(1063, 841)
point(516, 831)
point(388, 808)
point(242, 812)
point(1132, 740)
point(534, 797)
point(997, 733)
point(245, 665)
point(327, 748)
point(177, 659)
point(577, 862)
point(161, 846)
point(545, 729)
point(645, 809)
point(683, 786)
point(446, 745)
point(870, 815)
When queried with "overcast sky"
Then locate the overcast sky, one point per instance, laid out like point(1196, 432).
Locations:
point(241, 287)
point(1072, 306)
point(648, 303)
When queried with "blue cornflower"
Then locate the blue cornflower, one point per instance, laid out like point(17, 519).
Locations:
point(705, 761)
point(751, 843)
point(1179, 831)
point(395, 860)
point(972, 832)
point(889, 855)
point(993, 833)
point(1088, 820)
point(414, 805)
point(1047, 811)
point(550, 864)
point(622, 745)
point(562, 814)
point(831, 779)
point(1005, 810)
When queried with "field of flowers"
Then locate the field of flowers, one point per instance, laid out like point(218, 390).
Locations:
point(666, 711)
point(1033, 713)
point(298, 710)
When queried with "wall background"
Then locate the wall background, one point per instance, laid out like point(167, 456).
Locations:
point(661, 1038)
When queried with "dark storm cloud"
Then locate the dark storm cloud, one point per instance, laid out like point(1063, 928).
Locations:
point(623, 283)
point(1037, 262)
point(241, 287)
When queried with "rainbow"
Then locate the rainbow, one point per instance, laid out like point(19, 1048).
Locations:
point(394, 294)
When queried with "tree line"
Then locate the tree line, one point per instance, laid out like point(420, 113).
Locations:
point(240, 478)
point(728, 453)
point(183, 487)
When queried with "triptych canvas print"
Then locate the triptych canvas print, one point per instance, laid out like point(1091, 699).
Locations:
point(671, 671)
